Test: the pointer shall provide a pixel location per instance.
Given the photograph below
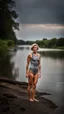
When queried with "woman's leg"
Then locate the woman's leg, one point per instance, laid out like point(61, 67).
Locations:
point(30, 83)
point(35, 80)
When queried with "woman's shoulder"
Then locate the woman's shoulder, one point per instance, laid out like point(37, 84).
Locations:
point(39, 54)
point(30, 55)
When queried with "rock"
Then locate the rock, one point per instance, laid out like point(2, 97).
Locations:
point(9, 95)
point(12, 81)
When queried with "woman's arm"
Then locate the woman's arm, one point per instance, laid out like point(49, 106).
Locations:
point(39, 67)
point(27, 64)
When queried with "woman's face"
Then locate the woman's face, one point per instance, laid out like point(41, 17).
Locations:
point(35, 48)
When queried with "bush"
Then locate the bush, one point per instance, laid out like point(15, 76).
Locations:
point(3, 48)
point(10, 43)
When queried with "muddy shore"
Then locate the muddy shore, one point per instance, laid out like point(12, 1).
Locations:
point(14, 99)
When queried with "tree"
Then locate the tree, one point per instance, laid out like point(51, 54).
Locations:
point(7, 17)
point(60, 42)
point(44, 38)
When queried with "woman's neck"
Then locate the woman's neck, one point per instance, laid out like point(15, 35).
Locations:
point(35, 52)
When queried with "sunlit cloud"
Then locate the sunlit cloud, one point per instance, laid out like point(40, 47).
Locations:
point(39, 31)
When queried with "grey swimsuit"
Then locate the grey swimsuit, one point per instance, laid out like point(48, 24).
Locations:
point(34, 64)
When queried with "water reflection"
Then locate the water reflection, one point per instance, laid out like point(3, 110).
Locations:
point(23, 47)
point(6, 67)
point(53, 54)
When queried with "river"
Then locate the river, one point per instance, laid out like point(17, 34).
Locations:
point(52, 70)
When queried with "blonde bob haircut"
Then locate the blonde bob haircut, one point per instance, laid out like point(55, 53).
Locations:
point(34, 45)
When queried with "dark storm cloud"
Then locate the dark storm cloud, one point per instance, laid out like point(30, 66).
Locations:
point(40, 11)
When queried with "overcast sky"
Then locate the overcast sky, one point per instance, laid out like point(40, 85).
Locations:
point(40, 19)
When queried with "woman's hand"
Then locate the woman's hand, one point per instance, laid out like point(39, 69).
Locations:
point(39, 74)
point(27, 74)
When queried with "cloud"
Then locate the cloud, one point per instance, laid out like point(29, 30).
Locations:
point(39, 31)
point(40, 19)
point(40, 11)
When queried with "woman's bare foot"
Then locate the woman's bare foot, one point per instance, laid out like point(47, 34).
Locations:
point(31, 99)
point(36, 100)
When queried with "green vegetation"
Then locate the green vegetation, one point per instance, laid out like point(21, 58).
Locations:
point(45, 43)
point(7, 25)
point(4, 46)
point(51, 43)
point(10, 43)
point(60, 47)
point(7, 20)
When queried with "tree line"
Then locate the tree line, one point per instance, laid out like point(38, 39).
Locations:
point(45, 43)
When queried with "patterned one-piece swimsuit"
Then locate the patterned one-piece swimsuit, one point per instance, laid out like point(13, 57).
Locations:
point(34, 63)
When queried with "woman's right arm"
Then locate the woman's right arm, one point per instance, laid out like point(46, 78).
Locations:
point(27, 64)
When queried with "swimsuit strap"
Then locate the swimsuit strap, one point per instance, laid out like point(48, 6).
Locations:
point(34, 55)
point(34, 59)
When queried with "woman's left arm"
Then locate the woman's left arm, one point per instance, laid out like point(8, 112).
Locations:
point(39, 67)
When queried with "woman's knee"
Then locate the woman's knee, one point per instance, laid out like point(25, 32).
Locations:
point(29, 87)
point(36, 79)
point(30, 75)
point(30, 84)
point(34, 86)
point(35, 83)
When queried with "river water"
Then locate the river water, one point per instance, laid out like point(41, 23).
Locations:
point(52, 70)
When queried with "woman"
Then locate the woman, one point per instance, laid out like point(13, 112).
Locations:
point(33, 71)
